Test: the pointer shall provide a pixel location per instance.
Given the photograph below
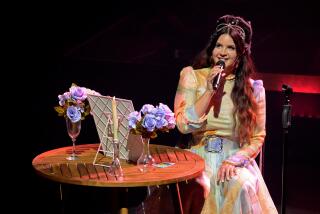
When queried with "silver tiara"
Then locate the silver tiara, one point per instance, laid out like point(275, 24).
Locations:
point(233, 25)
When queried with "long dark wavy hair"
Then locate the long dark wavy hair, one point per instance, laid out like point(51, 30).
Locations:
point(242, 93)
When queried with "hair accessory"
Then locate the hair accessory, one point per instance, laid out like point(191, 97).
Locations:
point(237, 24)
point(233, 25)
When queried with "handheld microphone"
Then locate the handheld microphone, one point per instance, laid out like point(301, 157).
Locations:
point(216, 80)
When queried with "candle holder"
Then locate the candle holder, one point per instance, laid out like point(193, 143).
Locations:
point(115, 168)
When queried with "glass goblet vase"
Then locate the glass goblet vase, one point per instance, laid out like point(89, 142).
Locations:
point(73, 129)
point(145, 162)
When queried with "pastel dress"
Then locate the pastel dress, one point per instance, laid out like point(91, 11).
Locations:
point(246, 192)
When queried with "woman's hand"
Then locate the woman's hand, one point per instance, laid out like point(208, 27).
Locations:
point(213, 72)
point(226, 172)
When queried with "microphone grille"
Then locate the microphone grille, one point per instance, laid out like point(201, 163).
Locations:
point(221, 63)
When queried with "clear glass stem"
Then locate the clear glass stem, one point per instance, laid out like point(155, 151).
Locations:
point(146, 150)
point(145, 162)
point(73, 147)
point(115, 168)
point(73, 129)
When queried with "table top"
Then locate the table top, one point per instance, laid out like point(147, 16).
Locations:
point(54, 166)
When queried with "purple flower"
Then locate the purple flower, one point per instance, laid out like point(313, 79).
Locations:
point(169, 115)
point(149, 122)
point(78, 93)
point(165, 108)
point(161, 123)
point(151, 119)
point(74, 113)
point(133, 118)
point(159, 113)
point(171, 122)
point(63, 98)
point(147, 109)
point(75, 97)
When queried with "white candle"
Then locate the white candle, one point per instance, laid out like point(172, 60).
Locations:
point(115, 119)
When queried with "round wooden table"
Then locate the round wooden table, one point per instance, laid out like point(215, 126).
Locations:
point(54, 166)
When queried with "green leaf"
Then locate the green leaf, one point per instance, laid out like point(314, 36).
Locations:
point(153, 135)
point(60, 110)
point(87, 110)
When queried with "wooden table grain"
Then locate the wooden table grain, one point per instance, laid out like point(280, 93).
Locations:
point(54, 166)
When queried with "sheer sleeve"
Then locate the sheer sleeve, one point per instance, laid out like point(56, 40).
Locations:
point(250, 151)
point(186, 117)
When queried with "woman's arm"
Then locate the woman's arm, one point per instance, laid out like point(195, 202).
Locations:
point(250, 151)
point(187, 107)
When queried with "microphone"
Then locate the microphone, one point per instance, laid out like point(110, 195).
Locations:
point(216, 80)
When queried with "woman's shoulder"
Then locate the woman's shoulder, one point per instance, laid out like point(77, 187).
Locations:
point(189, 70)
point(186, 70)
point(258, 89)
point(257, 84)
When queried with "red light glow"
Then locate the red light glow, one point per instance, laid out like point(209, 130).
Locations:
point(299, 83)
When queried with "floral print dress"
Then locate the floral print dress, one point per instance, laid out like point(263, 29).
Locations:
point(246, 192)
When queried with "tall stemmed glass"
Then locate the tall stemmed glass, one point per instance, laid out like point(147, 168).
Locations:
point(73, 129)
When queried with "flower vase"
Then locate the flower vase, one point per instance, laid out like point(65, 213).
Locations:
point(145, 161)
point(73, 129)
point(115, 168)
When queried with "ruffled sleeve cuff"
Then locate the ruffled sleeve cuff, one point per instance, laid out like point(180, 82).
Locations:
point(193, 119)
point(258, 90)
point(238, 160)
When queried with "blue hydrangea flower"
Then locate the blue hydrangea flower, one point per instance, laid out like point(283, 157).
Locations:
point(76, 97)
point(133, 118)
point(147, 109)
point(78, 93)
point(150, 120)
point(74, 113)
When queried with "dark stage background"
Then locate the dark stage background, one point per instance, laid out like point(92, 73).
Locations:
point(136, 51)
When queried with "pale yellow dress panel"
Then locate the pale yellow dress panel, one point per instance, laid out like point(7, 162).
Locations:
point(247, 192)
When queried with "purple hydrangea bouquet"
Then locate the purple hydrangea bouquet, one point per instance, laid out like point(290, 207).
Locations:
point(73, 103)
point(149, 120)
